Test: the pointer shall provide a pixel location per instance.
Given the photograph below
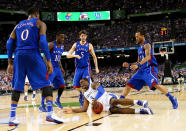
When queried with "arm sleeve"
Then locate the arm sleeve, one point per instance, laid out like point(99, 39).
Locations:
point(101, 91)
point(44, 46)
point(9, 47)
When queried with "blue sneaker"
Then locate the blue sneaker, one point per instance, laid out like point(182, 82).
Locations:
point(58, 104)
point(142, 103)
point(54, 118)
point(26, 98)
point(42, 108)
point(13, 122)
point(146, 111)
point(174, 103)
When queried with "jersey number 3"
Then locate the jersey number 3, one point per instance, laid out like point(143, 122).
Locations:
point(24, 34)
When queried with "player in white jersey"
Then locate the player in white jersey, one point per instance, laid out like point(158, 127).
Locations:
point(27, 84)
point(95, 92)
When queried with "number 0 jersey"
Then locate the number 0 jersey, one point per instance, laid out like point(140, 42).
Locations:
point(27, 34)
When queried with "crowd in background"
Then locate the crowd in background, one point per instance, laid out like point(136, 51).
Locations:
point(131, 6)
point(114, 36)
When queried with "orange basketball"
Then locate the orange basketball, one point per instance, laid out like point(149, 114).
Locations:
point(97, 107)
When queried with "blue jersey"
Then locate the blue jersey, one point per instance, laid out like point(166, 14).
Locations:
point(27, 34)
point(56, 54)
point(83, 52)
point(141, 54)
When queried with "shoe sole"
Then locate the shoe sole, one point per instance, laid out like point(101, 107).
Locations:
point(55, 121)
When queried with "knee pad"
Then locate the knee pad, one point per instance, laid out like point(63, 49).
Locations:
point(15, 95)
point(47, 91)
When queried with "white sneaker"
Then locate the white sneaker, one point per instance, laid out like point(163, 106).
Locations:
point(54, 118)
point(13, 122)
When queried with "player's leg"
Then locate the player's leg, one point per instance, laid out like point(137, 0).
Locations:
point(127, 102)
point(38, 78)
point(173, 99)
point(150, 77)
point(59, 83)
point(34, 95)
point(26, 92)
point(77, 76)
point(135, 82)
point(15, 99)
point(118, 110)
point(18, 86)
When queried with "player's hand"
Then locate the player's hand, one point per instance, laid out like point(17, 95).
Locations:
point(97, 70)
point(77, 56)
point(125, 64)
point(49, 67)
point(10, 70)
point(93, 102)
point(67, 110)
point(134, 67)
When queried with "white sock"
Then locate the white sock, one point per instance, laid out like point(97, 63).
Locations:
point(137, 111)
point(135, 102)
point(26, 93)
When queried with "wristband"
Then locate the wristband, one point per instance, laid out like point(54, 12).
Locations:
point(139, 65)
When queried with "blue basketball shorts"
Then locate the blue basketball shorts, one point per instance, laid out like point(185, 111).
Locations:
point(144, 76)
point(79, 74)
point(30, 63)
point(57, 78)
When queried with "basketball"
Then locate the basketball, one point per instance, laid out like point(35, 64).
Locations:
point(97, 107)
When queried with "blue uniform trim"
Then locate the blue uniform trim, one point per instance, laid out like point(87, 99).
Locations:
point(9, 46)
point(101, 91)
point(44, 46)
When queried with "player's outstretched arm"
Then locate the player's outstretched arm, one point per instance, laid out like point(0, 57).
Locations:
point(91, 48)
point(70, 53)
point(9, 45)
point(77, 110)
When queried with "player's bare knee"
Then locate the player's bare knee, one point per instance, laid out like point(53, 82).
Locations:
point(47, 91)
point(15, 95)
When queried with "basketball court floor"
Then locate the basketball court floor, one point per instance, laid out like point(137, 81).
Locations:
point(164, 118)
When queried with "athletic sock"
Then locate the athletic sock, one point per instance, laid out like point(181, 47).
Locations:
point(135, 102)
point(49, 107)
point(26, 93)
point(13, 111)
point(137, 111)
point(170, 96)
point(122, 97)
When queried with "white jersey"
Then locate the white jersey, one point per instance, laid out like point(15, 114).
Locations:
point(91, 93)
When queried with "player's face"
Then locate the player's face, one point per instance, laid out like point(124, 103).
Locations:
point(61, 38)
point(139, 37)
point(84, 84)
point(83, 37)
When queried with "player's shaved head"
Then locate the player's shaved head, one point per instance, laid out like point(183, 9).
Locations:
point(33, 11)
